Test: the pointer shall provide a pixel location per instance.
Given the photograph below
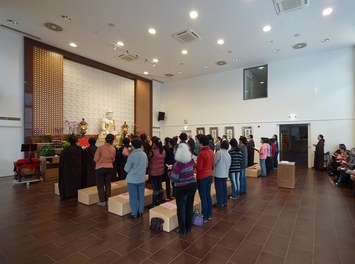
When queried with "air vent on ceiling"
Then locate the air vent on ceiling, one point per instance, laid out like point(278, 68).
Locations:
point(53, 26)
point(186, 36)
point(128, 57)
point(284, 6)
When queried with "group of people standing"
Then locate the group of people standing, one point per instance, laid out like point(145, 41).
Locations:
point(186, 166)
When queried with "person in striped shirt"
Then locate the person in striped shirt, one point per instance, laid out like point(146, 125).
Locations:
point(235, 168)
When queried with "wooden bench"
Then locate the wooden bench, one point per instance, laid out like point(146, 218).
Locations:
point(213, 192)
point(90, 195)
point(253, 171)
point(119, 204)
point(167, 211)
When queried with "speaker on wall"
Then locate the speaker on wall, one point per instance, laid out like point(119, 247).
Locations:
point(161, 116)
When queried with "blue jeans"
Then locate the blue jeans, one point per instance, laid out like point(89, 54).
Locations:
point(235, 182)
point(204, 190)
point(136, 197)
point(220, 185)
point(243, 181)
point(263, 167)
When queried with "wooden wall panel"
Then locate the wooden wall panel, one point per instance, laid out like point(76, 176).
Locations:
point(143, 107)
point(47, 91)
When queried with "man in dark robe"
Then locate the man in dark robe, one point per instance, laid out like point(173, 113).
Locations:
point(89, 176)
point(319, 154)
point(250, 147)
point(70, 166)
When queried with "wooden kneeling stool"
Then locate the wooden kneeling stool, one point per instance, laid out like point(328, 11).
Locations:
point(119, 204)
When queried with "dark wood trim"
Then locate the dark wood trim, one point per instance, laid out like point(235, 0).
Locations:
point(28, 86)
point(85, 61)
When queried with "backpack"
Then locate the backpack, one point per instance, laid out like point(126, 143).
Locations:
point(156, 224)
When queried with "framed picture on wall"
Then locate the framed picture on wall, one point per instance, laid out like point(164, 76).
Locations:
point(200, 130)
point(246, 131)
point(229, 132)
point(214, 132)
point(188, 132)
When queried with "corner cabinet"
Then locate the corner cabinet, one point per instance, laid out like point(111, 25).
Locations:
point(50, 168)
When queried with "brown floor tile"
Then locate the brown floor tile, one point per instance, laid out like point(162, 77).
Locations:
point(277, 245)
point(170, 251)
point(104, 258)
point(316, 219)
point(268, 258)
point(247, 253)
point(218, 254)
point(202, 246)
point(258, 234)
point(135, 256)
point(298, 256)
point(325, 256)
point(302, 240)
point(233, 239)
point(185, 258)
point(76, 258)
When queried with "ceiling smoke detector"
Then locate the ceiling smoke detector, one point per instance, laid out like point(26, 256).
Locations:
point(53, 27)
point(186, 36)
point(300, 45)
point(284, 6)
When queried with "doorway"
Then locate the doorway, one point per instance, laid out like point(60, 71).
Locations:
point(294, 143)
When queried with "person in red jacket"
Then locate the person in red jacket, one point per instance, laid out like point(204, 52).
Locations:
point(156, 170)
point(204, 176)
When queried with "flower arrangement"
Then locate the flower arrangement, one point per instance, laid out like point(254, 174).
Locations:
point(72, 127)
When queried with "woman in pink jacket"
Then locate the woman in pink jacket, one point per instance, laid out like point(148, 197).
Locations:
point(263, 155)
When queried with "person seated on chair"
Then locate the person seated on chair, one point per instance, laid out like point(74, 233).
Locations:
point(344, 177)
point(337, 158)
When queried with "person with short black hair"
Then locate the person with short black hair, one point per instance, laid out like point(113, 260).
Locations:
point(222, 163)
point(243, 178)
point(235, 168)
point(183, 137)
point(104, 158)
point(204, 177)
point(136, 165)
point(145, 143)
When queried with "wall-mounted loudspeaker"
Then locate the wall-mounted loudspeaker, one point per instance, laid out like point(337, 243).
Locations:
point(161, 116)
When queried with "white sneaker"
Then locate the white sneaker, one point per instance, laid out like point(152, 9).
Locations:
point(101, 204)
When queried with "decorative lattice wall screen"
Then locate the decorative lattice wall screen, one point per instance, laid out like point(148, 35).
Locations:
point(89, 93)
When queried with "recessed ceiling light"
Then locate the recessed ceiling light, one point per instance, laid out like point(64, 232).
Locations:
point(155, 60)
point(327, 11)
point(12, 22)
point(220, 63)
point(277, 50)
point(300, 45)
point(325, 40)
point(120, 43)
point(184, 51)
point(72, 44)
point(66, 17)
point(220, 41)
point(193, 14)
point(179, 72)
point(205, 66)
point(237, 59)
point(146, 73)
point(152, 31)
point(266, 28)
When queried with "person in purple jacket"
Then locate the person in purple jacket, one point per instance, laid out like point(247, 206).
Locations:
point(182, 175)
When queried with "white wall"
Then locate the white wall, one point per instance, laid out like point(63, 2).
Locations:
point(89, 93)
point(318, 88)
point(158, 107)
point(11, 100)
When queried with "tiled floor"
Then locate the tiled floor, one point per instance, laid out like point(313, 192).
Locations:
point(314, 223)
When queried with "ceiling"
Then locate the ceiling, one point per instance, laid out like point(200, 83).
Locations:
point(95, 26)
